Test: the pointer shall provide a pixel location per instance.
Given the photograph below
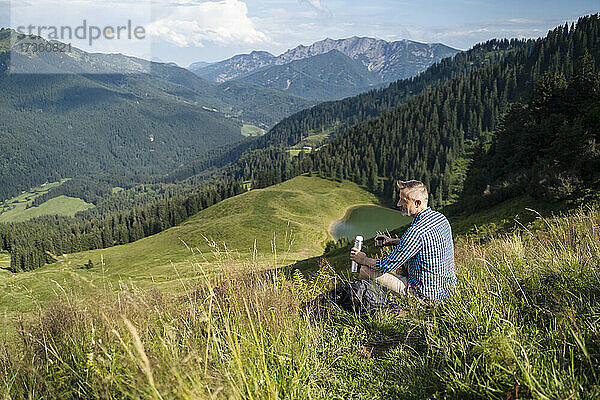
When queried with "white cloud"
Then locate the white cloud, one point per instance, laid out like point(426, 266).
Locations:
point(523, 21)
point(316, 4)
point(223, 22)
point(463, 36)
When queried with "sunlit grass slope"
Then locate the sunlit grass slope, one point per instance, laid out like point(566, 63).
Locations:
point(61, 205)
point(293, 216)
point(522, 324)
point(252, 130)
point(15, 209)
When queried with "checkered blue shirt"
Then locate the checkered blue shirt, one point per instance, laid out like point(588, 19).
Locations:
point(428, 247)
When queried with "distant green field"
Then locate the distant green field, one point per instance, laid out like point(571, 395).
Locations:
point(252, 130)
point(294, 216)
point(14, 210)
point(27, 196)
point(61, 205)
point(313, 140)
point(4, 260)
point(294, 152)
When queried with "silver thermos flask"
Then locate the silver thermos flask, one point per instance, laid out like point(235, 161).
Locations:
point(357, 244)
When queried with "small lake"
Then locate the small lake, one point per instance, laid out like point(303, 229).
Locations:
point(367, 221)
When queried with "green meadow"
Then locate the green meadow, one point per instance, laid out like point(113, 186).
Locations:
point(313, 140)
point(252, 130)
point(200, 311)
point(15, 209)
point(523, 323)
point(4, 262)
point(268, 227)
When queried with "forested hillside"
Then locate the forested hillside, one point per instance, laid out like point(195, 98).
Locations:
point(122, 127)
point(352, 110)
point(56, 126)
point(429, 136)
point(547, 147)
point(38, 241)
point(339, 115)
point(252, 103)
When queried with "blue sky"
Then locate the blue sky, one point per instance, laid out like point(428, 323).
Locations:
point(185, 31)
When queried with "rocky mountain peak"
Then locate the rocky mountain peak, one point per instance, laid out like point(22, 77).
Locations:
point(390, 60)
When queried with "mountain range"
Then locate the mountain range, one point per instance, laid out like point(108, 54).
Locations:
point(327, 76)
point(388, 61)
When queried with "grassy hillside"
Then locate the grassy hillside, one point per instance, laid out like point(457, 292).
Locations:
point(523, 323)
point(15, 209)
point(26, 197)
point(294, 215)
point(61, 205)
point(252, 130)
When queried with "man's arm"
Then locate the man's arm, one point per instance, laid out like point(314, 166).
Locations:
point(361, 258)
point(408, 245)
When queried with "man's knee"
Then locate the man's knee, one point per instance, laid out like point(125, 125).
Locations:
point(365, 272)
point(393, 282)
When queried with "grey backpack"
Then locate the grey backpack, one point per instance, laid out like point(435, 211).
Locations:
point(361, 295)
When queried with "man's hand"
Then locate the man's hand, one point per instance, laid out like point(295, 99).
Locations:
point(382, 240)
point(358, 256)
point(361, 258)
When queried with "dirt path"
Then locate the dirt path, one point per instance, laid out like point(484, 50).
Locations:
point(80, 277)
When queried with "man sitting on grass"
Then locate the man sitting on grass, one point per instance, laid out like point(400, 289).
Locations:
point(427, 246)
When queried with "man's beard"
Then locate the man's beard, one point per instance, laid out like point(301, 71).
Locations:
point(405, 212)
